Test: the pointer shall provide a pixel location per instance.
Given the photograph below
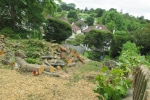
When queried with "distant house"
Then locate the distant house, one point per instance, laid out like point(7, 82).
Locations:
point(97, 27)
point(82, 23)
point(75, 30)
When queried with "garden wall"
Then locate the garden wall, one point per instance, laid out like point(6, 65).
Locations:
point(142, 84)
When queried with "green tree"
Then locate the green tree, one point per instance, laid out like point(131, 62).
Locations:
point(115, 18)
point(71, 6)
point(57, 30)
point(98, 38)
point(99, 12)
point(142, 38)
point(25, 12)
point(90, 21)
point(72, 14)
point(119, 38)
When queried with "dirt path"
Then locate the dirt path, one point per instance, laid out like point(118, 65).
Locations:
point(24, 86)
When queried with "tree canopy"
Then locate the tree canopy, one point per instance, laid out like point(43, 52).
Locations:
point(98, 38)
point(22, 13)
point(72, 14)
point(90, 21)
point(57, 30)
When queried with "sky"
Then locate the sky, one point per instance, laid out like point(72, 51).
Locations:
point(136, 8)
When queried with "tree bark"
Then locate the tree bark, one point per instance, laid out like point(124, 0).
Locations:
point(13, 15)
point(51, 74)
point(29, 67)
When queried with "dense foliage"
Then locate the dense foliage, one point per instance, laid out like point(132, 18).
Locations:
point(90, 21)
point(119, 38)
point(72, 14)
point(25, 13)
point(142, 38)
point(99, 39)
point(57, 30)
point(112, 85)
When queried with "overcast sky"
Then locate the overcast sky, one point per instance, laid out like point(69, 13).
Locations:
point(133, 7)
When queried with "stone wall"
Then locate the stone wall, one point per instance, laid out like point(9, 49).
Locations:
point(142, 84)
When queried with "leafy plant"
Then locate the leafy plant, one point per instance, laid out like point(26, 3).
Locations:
point(130, 58)
point(112, 84)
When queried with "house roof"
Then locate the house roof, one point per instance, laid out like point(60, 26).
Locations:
point(75, 28)
point(97, 27)
point(81, 22)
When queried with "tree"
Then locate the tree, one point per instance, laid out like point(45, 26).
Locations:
point(90, 21)
point(72, 14)
point(25, 12)
point(71, 6)
point(59, 9)
point(119, 38)
point(115, 18)
point(98, 38)
point(99, 12)
point(142, 38)
point(57, 30)
point(64, 6)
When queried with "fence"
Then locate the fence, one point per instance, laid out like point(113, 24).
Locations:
point(142, 84)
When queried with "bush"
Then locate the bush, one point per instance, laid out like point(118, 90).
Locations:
point(112, 85)
point(93, 55)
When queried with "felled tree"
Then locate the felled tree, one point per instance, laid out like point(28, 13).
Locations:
point(57, 30)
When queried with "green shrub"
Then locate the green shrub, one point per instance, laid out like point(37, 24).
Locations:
point(112, 85)
point(93, 55)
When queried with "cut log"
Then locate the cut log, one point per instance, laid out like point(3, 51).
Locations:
point(47, 57)
point(69, 61)
point(63, 49)
point(49, 68)
point(76, 55)
point(81, 59)
point(1, 52)
point(46, 62)
point(51, 74)
point(57, 53)
point(59, 68)
point(68, 50)
point(58, 64)
point(71, 64)
point(20, 53)
point(29, 67)
point(52, 69)
point(69, 56)
point(56, 61)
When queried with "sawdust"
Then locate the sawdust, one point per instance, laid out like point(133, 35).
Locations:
point(24, 86)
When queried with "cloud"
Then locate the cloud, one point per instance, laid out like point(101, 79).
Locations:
point(133, 7)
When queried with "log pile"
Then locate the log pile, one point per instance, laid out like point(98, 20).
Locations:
point(57, 56)
point(54, 58)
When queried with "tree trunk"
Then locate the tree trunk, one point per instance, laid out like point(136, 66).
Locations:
point(13, 15)
point(29, 67)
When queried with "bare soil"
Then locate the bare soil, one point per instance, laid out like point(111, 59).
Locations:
point(16, 85)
